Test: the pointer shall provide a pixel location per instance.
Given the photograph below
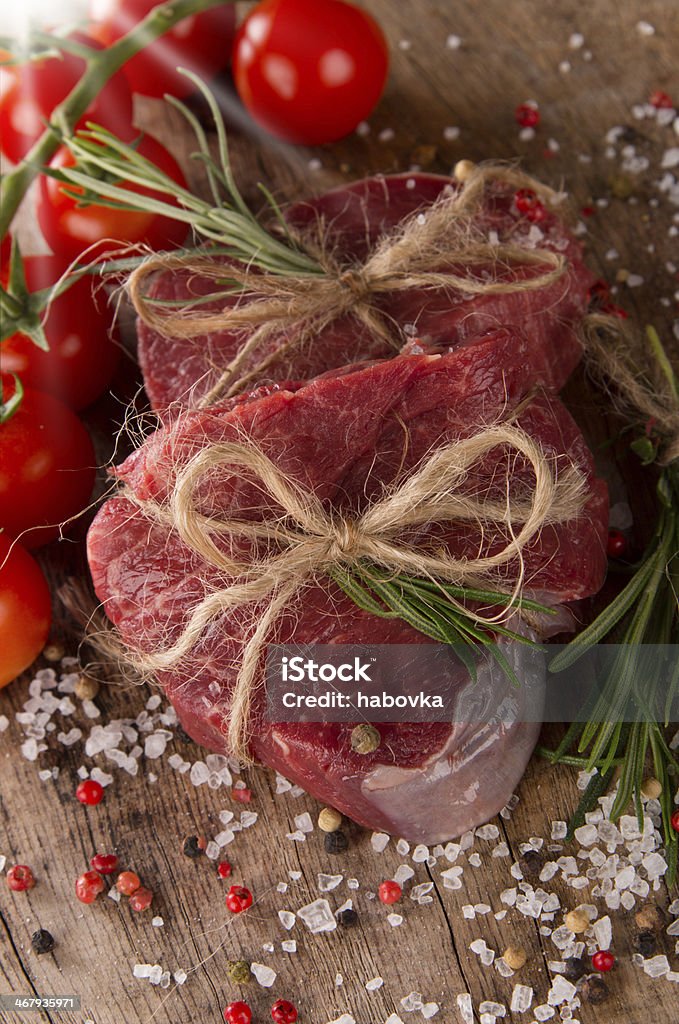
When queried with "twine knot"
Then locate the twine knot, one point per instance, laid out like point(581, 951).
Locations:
point(345, 539)
point(355, 281)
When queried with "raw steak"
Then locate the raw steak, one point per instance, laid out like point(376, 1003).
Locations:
point(344, 436)
point(355, 216)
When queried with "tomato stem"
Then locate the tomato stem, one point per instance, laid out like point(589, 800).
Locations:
point(101, 65)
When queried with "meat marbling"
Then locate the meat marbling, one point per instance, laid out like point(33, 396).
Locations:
point(355, 216)
point(345, 436)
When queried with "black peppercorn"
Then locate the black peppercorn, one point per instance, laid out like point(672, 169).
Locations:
point(192, 846)
point(531, 862)
point(182, 735)
point(348, 918)
point(594, 990)
point(42, 941)
point(646, 943)
point(335, 842)
point(575, 968)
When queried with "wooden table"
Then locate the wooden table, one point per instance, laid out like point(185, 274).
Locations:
point(509, 52)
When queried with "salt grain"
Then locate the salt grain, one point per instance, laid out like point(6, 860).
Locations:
point(263, 974)
point(379, 841)
point(395, 920)
point(420, 853)
point(318, 917)
point(522, 999)
point(289, 946)
point(326, 883)
point(374, 984)
point(466, 1008)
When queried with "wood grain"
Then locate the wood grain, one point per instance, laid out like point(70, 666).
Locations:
point(510, 52)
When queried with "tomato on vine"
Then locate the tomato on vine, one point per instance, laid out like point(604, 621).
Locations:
point(70, 228)
point(83, 353)
point(25, 609)
point(30, 91)
point(47, 465)
point(201, 43)
point(310, 70)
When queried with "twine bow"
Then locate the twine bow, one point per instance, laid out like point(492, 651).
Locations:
point(430, 249)
point(301, 540)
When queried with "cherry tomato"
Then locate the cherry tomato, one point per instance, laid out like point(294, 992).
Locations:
point(201, 43)
point(25, 609)
point(70, 229)
point(29, 93)
point(47, 466)
point(83, 353)
point(309, 70)
point(5, 250)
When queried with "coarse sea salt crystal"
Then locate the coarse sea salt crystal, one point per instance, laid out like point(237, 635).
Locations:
point(345, 1018)
point(451, 851)
point(199, 774)
point(180, 977)
point(413, 1001)
point(212, 850)
point(420, 853)
point(487, 832)
point(303, 822)
point(289, 946)
point(157, 922)
point(326, 883)
point(248, 819)
point(403, 848)
point(494, 1009)
point(429, 1010)
point(544, 1012)
point(154, 745)
point(418, 891)
point(501, 850)
point(4, 723)
point(562, 991)
point(451, 878)
point(395, 920)
point(287, 918)
point(522, 999)
point(656, 966)
point(141, 970)
point(318, 917)
point(403, 873)
point(155, 974)
point(379, 841)
point(374, 984)
point(466, 1008)
point(586, 835)
point(282, 784)
point(296, 837)
point(393, 1019)
point(603, 932)
point(263, 974)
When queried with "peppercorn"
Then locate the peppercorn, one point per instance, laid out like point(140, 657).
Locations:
point(86, 688)
point(650, 918)
point(463, 170)
point(348, 918)
point(515, 957)
point(239, 971)
point(424, 156)
point(603, 960)
point(576, 968)
point(192, 846)
point(53, 652)
point(576, 921)
point(329, 820)
point(335, 842)
point(42, 941)
point(651, 789)
point(182, 735)
point(646, 944)
point(365, 738)
point(620, 185)
point(531, 862)
point(594, 990)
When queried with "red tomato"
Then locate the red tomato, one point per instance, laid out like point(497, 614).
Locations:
point(70, 229)
point(5, 250)
point(25, 609)
point(201, 43)
point(47, 467)
point(29, 93)
point(83, 353)
point(309, 70)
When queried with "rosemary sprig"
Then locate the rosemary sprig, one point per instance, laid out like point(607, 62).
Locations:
point(438, 610)
point(105, 165)
point(646, 611)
